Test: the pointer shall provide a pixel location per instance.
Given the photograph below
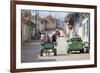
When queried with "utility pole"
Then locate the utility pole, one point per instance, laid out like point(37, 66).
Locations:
point(36, 24)
point(56, 21)
point(30, 28)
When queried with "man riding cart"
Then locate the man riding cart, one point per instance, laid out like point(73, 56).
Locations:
point(48, 46)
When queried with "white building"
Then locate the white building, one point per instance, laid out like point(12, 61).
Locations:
point(83, 27)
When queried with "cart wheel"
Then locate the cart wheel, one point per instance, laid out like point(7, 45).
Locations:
point(55, 52)
point(82, 51)
point(41, 53)
point(68, 51)
point(87, 51)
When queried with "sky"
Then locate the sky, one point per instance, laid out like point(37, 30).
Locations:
point(58, 14)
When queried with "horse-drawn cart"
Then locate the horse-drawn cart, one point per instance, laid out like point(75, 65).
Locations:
point(48, 47)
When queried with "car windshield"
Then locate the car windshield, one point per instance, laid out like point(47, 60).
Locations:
point(76, 39)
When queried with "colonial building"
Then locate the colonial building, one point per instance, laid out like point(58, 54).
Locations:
point(51, 22)
point(28, 27)
point(25, 17)
point(78, 24)
point(69, 25)
point(83, 26)
point(32, 24)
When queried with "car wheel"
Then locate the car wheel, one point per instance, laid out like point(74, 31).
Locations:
point(68, 51)
point(82, 51)
point(55, 52)
point(41, 52)
point(87, 51)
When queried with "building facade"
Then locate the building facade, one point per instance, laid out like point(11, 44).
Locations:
point(78, 25)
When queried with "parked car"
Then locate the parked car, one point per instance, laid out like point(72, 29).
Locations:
point(75, 43)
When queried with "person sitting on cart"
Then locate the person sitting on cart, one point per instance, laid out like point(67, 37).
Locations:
point(54, 38)
point(47, 39)
point(43, 37)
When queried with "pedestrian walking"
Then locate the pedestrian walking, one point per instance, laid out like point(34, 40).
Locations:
point(43, 36)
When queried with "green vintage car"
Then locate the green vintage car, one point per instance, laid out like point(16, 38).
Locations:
point(75, 43)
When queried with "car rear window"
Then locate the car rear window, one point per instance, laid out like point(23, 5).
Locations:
point(76, 39)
